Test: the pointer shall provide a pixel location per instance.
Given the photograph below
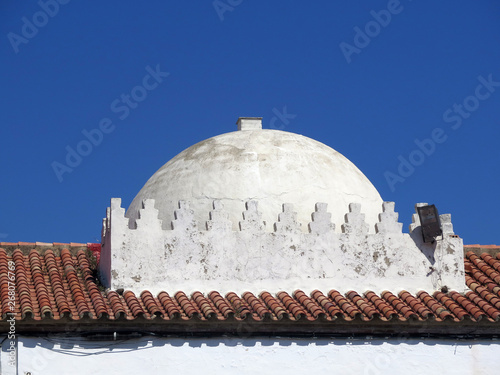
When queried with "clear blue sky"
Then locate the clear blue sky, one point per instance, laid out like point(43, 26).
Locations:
point(409, 85)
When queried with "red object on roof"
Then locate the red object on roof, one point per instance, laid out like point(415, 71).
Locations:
point(53, 289)
point(95, 248)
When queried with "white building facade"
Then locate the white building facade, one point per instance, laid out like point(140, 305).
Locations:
point(253, 251)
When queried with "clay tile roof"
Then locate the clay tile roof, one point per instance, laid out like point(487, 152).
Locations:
point(58, 287)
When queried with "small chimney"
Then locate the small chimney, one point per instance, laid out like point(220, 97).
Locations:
point(249, 123)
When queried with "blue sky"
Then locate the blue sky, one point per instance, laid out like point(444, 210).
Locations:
point(409, 91)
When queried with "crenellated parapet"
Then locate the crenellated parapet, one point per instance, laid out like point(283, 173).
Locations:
point(141, 254)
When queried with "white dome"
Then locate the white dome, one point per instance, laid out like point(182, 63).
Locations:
point(270, 166)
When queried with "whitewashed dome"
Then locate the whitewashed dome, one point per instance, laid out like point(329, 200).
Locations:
point(270, 166)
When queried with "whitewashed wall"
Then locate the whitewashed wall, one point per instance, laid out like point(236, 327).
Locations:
point(218, 258)
point(150, 355)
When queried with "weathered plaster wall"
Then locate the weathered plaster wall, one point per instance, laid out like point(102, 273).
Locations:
point(189, 258)
point(148, 355)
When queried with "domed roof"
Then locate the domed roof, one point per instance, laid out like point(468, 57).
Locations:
point(270, 166)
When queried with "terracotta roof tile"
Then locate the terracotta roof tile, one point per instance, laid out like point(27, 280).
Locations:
point(24, 286)
point(313, 308)
point(204, 305)
point(483, 305)
point(439, 310)
point(134, 304)
point(363, 305)
point(239, 305)
point(169, 305)
point(468, 305)
point(152, 305)
point(329, 306)
point(491, 261)
point(117, 305)
point(187, 306)
point(56, 282)
point(401, 308)
point(385, 309)
point(261, 307)
point(54, 285)
point(295, 308)
point(451, 305)
point(221, 304)
point(350, 310)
